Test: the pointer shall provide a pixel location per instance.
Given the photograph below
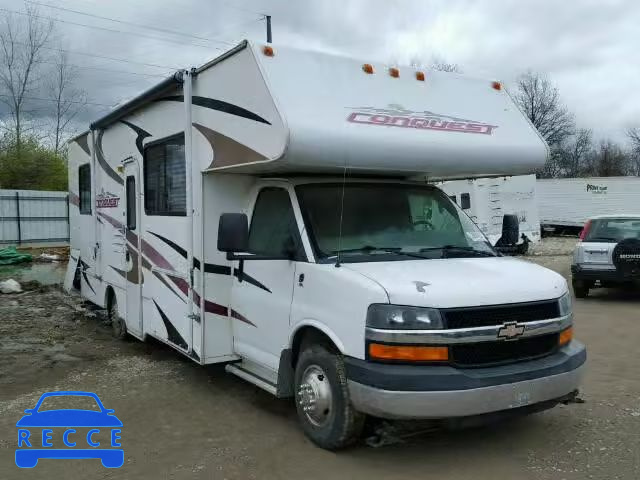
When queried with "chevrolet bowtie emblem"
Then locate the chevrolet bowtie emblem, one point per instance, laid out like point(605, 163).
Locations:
point(510, 331)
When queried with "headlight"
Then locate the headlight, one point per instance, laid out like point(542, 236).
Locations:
point(564, 305)
point(400, 318)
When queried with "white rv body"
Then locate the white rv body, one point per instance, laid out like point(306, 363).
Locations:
point(488, 200)
point(570, 202)
point(266, 124)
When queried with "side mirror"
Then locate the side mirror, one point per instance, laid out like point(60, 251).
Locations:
point(510, 230)
point(233, 233)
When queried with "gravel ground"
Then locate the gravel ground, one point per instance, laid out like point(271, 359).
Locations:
point(186, 421)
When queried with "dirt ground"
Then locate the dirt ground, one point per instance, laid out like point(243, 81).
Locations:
point(185, 421)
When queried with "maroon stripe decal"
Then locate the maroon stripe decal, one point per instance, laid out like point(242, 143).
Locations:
point(156, 258)
point(74, 199)
point(242, 318)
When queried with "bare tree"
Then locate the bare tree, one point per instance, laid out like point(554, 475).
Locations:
point(575, 153)
point(68, 100)
point(540, 101)
point(634, 137)
point(437, 63)
point(440, 64)
point(21, 51)
point(609, 160)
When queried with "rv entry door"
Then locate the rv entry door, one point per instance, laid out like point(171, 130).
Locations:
point(132, 260)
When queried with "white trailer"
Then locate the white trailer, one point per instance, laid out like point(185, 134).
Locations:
point(488, 200)
point(570, 202)
point(255, 211)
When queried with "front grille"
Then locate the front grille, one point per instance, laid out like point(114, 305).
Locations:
point(492, 353)
point(499, 314)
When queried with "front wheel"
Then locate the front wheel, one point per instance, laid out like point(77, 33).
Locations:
point(322, 399)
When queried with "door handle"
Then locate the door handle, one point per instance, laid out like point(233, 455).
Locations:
point(127, 255)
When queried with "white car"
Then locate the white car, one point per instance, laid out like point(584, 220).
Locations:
point(608, 254)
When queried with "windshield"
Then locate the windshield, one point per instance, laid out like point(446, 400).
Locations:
point(613, 229)
point(381, 219)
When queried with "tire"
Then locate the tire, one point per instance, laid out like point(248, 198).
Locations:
point(118, 325)
point(330, 421)
point(580, 288)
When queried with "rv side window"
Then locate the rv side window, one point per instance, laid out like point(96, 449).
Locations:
point(84, 189)
point(274, 230)
point(465, 201)
point(165, 191)
point(132, 221)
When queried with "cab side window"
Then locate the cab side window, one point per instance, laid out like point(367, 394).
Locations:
point(274, 230)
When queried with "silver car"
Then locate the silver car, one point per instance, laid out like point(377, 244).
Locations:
point(608, 254)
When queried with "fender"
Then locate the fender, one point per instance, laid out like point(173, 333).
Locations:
point(310, 322)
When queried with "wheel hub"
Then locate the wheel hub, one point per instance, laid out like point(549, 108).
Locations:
point(314, 395)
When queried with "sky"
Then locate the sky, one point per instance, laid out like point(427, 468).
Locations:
point(589, 49)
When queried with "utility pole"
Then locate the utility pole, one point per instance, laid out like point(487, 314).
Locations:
point(269, 38)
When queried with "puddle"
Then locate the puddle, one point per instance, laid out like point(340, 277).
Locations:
point(44, 273)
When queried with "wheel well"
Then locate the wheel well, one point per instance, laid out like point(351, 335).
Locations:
point(110, 296)
point(310, 336)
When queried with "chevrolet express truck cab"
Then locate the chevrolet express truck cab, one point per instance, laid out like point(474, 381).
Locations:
point(256, 212)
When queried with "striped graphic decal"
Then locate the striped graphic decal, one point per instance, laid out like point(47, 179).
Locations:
point(142, 134)
point(156, 258)
point(211, 267)
point(172, 334)
point(103, 161)
point(74, 199)
point(219, 105)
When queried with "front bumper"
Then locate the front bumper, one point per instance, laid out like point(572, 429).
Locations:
point(432, 392)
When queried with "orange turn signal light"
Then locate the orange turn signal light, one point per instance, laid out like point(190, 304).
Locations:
point(496, 85)
point(394, 72)
point(406, 352)
point(367, 68)
point(565, 336)
point(268, 51)
point(420, 76)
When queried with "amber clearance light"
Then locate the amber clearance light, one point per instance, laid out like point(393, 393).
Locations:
point(565, 336)
point(408, 353)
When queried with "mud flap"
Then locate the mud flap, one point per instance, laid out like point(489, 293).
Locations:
point(72, 271)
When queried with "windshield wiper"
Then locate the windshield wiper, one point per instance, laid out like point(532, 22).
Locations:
point(372, 248)
point(460, 248)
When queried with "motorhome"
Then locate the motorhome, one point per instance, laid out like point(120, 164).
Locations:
point(256, 212)
point(488, 200)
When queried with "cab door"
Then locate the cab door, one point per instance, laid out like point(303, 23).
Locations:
point(261, 297)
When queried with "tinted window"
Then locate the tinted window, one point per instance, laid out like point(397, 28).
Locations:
point(131, 203)
point(84, 190)
point(274, 231)
point(613, 229)
point(403, 217)
point(465, 201)
point(165, 191)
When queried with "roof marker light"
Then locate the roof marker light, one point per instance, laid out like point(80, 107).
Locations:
point(420, 76)
point(268, 51)
point(394, 72)
point(367, 68)
point(496, 85)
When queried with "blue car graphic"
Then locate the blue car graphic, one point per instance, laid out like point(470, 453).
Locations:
point(31, 448)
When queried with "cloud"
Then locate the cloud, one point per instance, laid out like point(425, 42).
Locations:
point(588, 48)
